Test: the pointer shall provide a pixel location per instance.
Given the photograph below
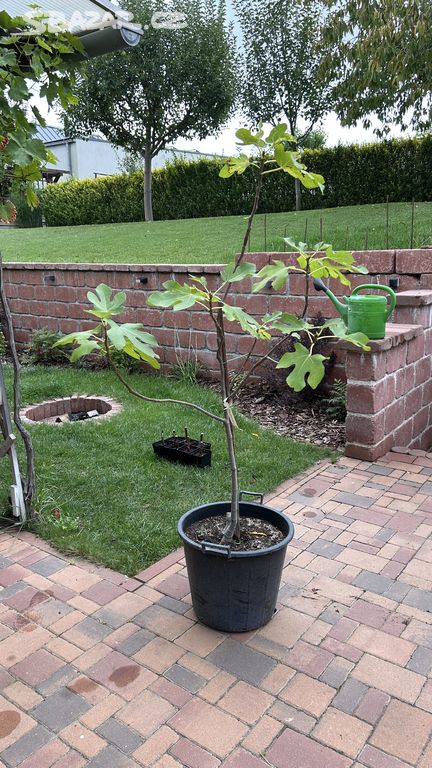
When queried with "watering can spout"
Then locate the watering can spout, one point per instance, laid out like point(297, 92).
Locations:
point(340, 306)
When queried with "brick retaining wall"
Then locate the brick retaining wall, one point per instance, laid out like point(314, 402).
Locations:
point(54, 296)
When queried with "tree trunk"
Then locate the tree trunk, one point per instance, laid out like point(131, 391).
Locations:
point(232, 530)
point(298, 195)
point(148, 198)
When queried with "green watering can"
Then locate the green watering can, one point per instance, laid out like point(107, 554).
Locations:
point(367, 314)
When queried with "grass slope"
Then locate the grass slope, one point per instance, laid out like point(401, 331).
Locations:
point(216, 240)
point(119, 504)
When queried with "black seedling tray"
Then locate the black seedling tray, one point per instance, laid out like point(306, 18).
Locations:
point(184, 450)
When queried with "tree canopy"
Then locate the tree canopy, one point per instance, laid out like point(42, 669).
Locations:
point(29, 55)
point(380, 56)
point(178, 83)
point(282, 73)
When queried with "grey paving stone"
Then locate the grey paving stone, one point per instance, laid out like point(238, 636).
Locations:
point(385, 534)
point(58, 680)
point(350, 696)
point(60, 709)
point(421, 661)
point(110, 757)
point(178, 606)
point(333, 613)
point(93, 628)
point(419, 598)
point(379, 469)
point(26, 745)
point(325, 548)
point(12, 590)
point(340, 518)
point(110, 618)
point(354, 499)
point(427, 488)
point(135, 642)
point(185, 678)
point(425, 471)
point(241, 661)
point(398, 591)
point(48, 565)
point(120, 735)
point(373, 582)
point(5, 562)
point(337, 672)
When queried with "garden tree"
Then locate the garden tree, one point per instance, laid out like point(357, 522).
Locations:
point(305, 365)
point(380, 56)
point(178, 83)
point(27, 57)
point(281, 64)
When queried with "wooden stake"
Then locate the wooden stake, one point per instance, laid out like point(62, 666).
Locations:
point(346, 239)
point(286, 230)
point(265, 233)
point(321, 229)
point(306, 230)
point(367, 238)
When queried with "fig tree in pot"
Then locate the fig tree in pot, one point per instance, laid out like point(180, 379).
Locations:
point(235, 549)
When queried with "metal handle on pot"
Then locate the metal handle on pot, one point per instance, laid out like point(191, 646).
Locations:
point(379, 287)
point(259, 496)
point(216, 549)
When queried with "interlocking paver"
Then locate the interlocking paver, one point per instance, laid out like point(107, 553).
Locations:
point(241, 661)
point(120, 735)
point(60, 709)
point(403, 731)
point(293, 748)
point(97, 670)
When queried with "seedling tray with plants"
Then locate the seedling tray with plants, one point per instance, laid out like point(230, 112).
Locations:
point(196, 453)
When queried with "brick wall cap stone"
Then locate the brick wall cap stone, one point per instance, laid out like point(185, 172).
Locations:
point(417, 298)
point(395, 335)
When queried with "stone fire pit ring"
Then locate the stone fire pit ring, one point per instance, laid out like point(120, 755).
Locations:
point(52, 411)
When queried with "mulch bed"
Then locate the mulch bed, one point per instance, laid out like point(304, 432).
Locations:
point(299, 416)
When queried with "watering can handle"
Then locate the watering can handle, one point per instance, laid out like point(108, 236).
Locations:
point(377, 287)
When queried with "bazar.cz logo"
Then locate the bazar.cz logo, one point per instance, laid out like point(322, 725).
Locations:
point(55, 21)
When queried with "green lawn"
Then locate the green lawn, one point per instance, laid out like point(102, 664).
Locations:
point(216, 240)
point(119, 504)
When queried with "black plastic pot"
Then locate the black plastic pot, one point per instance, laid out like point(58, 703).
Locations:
point(184, 450)
point(234, 591)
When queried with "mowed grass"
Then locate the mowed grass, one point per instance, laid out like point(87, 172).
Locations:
point(119, 505)
point(216, 240)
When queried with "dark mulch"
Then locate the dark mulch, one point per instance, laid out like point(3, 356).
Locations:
point(299, 416)
point(254, 533)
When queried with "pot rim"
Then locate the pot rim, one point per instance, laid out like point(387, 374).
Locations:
point(236, 553)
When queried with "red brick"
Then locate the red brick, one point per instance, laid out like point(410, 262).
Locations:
point(413, 262)
point(412, 403)
point(242, 759)
point(420, 421)
point(365, 429)
point(365, 366)
point(422, 371)
point(396, 358)
point(415, 349)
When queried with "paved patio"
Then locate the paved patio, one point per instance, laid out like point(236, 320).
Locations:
point(97, 669)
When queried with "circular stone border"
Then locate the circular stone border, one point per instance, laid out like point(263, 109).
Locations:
point(49, 410)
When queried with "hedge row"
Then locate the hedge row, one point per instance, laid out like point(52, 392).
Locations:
point(355, 175)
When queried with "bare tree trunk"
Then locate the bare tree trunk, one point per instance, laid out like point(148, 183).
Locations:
point(298, 195)
point(148, 198)
point(30, 480)
point(232, 530)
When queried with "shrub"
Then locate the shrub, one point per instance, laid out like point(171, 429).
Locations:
point(336, 401)
point(355, 175)
point(40, 351)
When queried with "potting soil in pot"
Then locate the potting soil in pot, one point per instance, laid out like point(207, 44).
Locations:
point(254, 533)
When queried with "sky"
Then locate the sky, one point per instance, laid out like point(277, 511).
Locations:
point(225, 142)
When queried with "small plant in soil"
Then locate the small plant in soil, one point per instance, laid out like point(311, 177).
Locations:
point(305, 365)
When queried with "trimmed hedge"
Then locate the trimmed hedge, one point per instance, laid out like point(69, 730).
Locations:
point(355, 175)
